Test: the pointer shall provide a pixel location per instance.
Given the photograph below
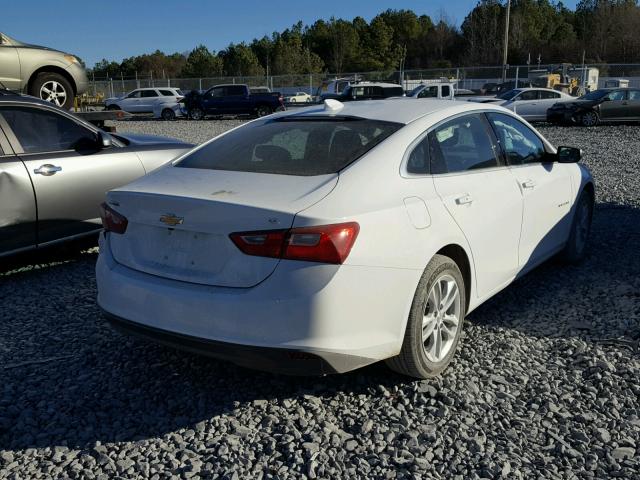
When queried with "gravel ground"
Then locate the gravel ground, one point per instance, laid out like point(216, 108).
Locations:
point(545, 385)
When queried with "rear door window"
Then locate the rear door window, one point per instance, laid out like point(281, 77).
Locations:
point(235, 91)
point(167, 93)
point(464, 143)
point(544, 95)
point(149, 93)
point(290, 146)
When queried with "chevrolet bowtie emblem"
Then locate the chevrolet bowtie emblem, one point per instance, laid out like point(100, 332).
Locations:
point(171, 220)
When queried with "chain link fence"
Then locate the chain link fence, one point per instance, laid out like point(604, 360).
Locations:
point(470, 78)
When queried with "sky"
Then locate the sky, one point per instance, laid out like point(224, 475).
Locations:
point(116, 29)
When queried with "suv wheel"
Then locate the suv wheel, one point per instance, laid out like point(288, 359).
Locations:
point(53, 87)
point(435, 321)
point(168, 114)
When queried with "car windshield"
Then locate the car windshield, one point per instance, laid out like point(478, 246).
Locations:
point(292, 145)
point(595, 95)
point(416, 90)
point(508, 95)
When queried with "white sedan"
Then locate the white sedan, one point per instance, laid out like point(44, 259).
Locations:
point(299, 97)
point(530, 103)
point(328, 238)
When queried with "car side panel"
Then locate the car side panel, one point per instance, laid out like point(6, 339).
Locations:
point(68, 201)
point(10, 67)
point(17, 206)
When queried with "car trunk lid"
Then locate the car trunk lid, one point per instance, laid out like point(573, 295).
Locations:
point(179, 221)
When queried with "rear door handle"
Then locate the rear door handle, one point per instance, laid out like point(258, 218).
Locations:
point(464, 200)
point(529, 184)
point(47, 170)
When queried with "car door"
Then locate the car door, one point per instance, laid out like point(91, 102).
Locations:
point(69, 173)
point(545, 188)
point(614, 106)
point(634, 104)
point(9, 65)
point(546, 100)
point(131, 103)
point(236, 99)
point(148, 100)
point(212, 101)
point(478, 191)
point(17, 201)
point(429, 92)
point(524, 104)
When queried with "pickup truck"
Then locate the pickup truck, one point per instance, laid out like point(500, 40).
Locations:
point(443, 91)
point(234, 99)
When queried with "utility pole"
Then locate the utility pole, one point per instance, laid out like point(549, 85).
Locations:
point(506, 43)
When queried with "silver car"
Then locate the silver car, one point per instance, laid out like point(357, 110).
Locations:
point(55, 170)
point(43, 72)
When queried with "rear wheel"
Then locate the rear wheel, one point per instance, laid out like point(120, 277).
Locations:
point(168, 114)
point(576, 247)
point(589, 119)
point(113, 107)
point(435, 321)
point(196, 114)
point(263, 110)
point(53, 87)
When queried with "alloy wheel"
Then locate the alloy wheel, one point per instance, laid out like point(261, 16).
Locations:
point(589, 119)
point(441, 319)
point(53, 92)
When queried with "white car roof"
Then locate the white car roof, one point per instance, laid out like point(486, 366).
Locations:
point(400, 110)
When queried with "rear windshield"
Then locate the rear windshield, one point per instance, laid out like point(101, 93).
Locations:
point(292, 146)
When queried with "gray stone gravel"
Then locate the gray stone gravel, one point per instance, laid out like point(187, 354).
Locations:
point(545, 385)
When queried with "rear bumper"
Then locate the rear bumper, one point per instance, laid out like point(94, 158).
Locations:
point(305, 318)
point(278, 360)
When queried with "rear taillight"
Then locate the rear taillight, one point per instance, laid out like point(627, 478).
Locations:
point(322, 243)
point(112, 221)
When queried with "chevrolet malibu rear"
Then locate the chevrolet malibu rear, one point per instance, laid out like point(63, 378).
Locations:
point(314, 242)
point(215, 254)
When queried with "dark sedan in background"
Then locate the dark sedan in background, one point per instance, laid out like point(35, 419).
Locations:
point(602, 105)
point(55, 170)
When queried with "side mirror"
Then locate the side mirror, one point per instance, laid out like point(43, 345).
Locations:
point(569, 155)
point(104, 140)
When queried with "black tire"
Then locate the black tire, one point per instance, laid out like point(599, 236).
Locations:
point(113, 107)
point(412, 359)
point(589, 119)
point(263, 110)
point(576, 247)
point(168, 114)
point(196, 113)
point(53, 82)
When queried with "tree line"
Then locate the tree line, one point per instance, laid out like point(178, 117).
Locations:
point(606, 31)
